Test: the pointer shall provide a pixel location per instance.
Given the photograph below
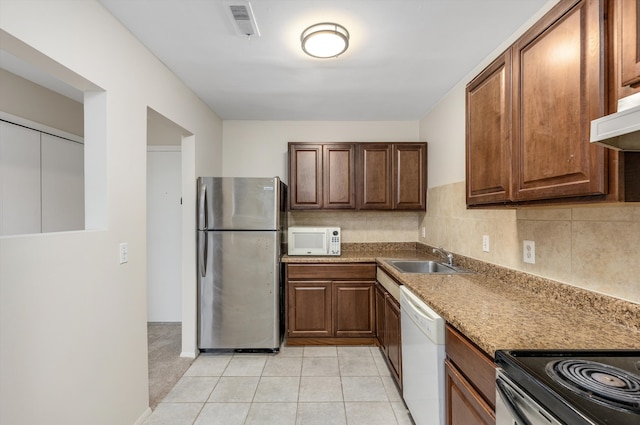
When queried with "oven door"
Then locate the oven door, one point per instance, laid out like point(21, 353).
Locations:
point(515, 407)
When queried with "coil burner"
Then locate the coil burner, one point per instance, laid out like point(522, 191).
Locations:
point(601, 383)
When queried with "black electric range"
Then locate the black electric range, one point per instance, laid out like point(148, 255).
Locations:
point(578, 387)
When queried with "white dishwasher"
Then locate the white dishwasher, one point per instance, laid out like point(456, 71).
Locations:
point(423, 357)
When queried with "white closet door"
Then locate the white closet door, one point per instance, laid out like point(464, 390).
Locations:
point(62, 184)
point(164, 250)
point(20, 208)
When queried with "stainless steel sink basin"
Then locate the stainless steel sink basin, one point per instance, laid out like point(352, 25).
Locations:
point(425, 266)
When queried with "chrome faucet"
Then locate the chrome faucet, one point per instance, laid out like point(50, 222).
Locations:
point(446, 254)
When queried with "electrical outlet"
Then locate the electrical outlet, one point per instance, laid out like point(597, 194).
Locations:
point(124, 253)
point(485, 243)
point(424, 232)
point(529, 252)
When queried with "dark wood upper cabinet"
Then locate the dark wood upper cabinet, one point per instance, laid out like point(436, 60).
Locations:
point(321, 176)
point(624, 80)
point(624, 76)
point(305, 176)
point(629, 42)
point(488, 134)
point(558, 86)
point(529, 112)
point(375, 176)
point(392, 176)
point(338, 176)
point(358, 176)
point(409, 176)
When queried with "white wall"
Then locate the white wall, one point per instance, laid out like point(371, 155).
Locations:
point(31, 101)
point(73, 347)
point(259, 148)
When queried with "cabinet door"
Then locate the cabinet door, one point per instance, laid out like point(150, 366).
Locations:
point(393, 336)
point(410, 176)
point(489, 134)
point(309, 309)
point(629, 41)
point(353, 309)
point(557, 68)
point(380, 309)
point(20, 192)
point(464, 405)
point(305, 176)
point(374, 176)
point(339, 176)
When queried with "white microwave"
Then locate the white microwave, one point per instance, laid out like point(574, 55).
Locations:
point(313, 241)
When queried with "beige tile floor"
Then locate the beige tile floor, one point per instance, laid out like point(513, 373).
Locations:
point(299, 386)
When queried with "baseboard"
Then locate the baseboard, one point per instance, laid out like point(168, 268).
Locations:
point(188, 354)
point(143, 417)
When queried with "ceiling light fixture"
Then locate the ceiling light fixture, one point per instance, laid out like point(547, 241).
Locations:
point(325, 40)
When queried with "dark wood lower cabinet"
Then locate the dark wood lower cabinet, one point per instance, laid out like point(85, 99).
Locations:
point(464, 405)
point(353, 312)
point(393, 337)
point(470, 382)
point(330, 303)
point(380, 307)
point(309, 309)
point(388, 330)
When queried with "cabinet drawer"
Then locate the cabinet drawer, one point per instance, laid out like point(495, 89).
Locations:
point(464, 405)
point(331, 271)
point(474, 364)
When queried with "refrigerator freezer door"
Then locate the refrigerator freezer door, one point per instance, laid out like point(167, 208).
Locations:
point(239, 293)
point(238, 203)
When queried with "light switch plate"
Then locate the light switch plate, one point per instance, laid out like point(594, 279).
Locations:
point(485, 243)
point(529, 252)
point(124, 253)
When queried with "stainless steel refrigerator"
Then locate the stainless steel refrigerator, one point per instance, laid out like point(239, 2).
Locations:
point(241, 230)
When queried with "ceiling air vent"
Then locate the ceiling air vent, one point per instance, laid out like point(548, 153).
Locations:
point(243, 17)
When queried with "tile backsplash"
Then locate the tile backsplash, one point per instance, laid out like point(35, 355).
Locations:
point(361, 226)
point(594, 247)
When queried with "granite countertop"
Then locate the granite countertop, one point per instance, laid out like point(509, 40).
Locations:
point(505, 309)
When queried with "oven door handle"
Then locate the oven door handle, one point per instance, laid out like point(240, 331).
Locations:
point(510, 404)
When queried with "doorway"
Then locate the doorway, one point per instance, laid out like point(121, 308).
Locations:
point(163, 234)
point(164, 255)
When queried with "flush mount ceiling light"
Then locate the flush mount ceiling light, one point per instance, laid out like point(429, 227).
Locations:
point(325, 40)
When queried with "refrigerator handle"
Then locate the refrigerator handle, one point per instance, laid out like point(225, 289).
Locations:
point(202, 209)
point(203, 250)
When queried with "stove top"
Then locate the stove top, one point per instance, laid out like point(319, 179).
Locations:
point(590, 387)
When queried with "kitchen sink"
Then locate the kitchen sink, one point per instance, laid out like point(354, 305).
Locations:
point(425, 266)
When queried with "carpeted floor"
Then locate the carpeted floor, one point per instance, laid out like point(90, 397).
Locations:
point(166, 366)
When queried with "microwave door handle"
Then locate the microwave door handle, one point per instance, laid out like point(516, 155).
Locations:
point(510, 404)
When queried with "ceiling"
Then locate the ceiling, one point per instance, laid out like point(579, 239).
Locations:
point(403, 57)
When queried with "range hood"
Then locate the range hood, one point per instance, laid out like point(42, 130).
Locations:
point(620, 131)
